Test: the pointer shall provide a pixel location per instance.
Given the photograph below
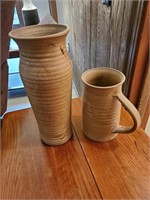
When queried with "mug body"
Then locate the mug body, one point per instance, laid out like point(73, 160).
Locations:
point(101, 110)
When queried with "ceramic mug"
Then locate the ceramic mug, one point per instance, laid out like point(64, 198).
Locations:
point(101, 108)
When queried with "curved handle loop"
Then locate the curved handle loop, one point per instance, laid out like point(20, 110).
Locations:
point(132, 111)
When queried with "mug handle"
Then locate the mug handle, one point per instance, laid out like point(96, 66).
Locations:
point(132, 111)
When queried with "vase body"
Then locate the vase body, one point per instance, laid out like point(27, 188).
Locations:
point(46, 72)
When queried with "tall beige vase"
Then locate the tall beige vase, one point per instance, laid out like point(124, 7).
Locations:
point(46, 72)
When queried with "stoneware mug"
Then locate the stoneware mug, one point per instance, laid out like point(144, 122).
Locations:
point(101, 107)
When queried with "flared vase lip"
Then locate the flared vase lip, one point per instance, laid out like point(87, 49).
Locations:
point(103, 68)
point(18, 33)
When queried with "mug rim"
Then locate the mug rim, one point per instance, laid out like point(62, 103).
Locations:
point(103, 68)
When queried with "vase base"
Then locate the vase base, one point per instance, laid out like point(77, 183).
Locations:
point(57, 142)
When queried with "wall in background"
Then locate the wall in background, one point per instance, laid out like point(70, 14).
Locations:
point(43, 7)
point(102, 36)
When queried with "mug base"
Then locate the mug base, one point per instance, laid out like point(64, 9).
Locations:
point(107, 139)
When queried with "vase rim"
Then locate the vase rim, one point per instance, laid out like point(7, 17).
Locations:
point(21, 33)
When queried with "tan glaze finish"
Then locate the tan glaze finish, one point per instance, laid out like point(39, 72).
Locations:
point(79, 169)
point(46, 72)
point(102, 99)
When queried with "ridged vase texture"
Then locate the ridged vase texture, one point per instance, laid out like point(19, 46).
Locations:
point(46, 72)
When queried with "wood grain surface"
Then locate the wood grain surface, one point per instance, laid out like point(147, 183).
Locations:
point(79, 169)
point(121, 167)
point(32, 170)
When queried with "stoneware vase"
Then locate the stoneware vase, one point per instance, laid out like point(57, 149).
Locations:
point(102, 99)
point(46, 72)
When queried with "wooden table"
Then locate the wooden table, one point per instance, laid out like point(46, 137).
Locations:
point(79, 169)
